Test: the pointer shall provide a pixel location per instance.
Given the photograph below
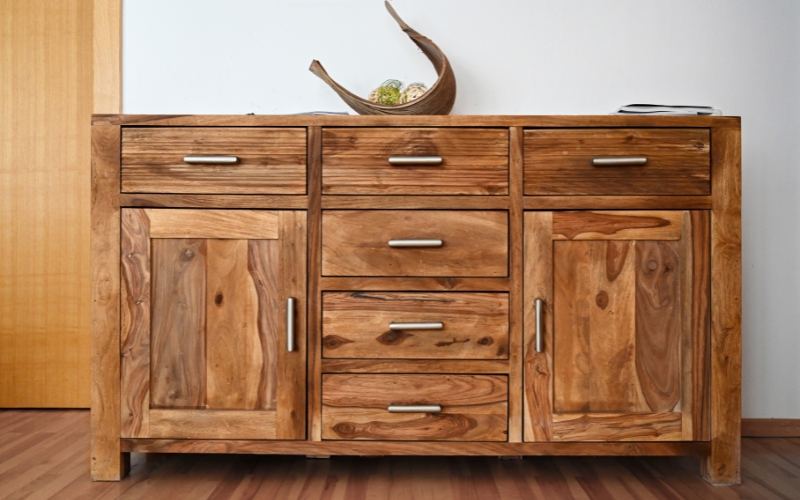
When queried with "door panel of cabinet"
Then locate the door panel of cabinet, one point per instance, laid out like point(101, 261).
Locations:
point(624, 325)
point(209, 346)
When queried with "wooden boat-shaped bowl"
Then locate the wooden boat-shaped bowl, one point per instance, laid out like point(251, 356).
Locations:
point(438, 100)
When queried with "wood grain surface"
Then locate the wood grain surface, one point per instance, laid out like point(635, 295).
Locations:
point(559, 161)
point(516, 379)
point(204, 224)
point(136, 317)
point(107, 463)
point(356, 161)
point(617, 225)
point(531, 121)
point(414, 366)
point(724, 464)
point(270, 160)
point(355, 243)
point(209, 340)
point(628, 330)
point(474, 407)
point(45, 203)
point(356, 325)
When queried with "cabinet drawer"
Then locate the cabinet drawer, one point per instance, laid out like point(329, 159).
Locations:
point(357, 161)
point(459, 407)
point(564, 161)
point(360, 243)
point(262, 160)
point(415, 325)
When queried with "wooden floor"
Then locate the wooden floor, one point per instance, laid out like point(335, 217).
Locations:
point(45, 454)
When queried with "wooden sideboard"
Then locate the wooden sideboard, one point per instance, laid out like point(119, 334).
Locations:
point(457, 285)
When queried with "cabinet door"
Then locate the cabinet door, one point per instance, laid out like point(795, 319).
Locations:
point(205, 324)
point(623, 323)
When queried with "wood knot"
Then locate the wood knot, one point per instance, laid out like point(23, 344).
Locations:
point(393, 337)
point(602, 299)
point(486, 341)
point(218, 299)
point(187, 255)
point(334, 341)
point(652, 265)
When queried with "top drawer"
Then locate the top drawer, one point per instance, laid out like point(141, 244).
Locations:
point(371, 161)
point(563, 161)
point(267, 160)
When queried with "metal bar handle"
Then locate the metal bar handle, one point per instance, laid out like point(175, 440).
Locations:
point(399, 161)
point(415, 243)
point(538, 303)
point(211, 160)
point(290, 324)
point(416, 326)
point(629, 161)
point(414, 408)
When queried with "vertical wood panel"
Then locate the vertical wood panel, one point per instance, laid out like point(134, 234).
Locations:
point(178, 368)
point(572, 364)
point(292, 365)
point(314, 273)
point(658, 323)
point(264, 263)
point(614, 385)
point(701, 324)
point(516, 271)
point(107, 67)
point(107, 462)
point(538, 367)
point(135, 324)
point(45, 116)
point(723, 465)
point(234, 352)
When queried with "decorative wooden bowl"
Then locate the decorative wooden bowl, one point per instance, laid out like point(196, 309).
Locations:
point(438, 100)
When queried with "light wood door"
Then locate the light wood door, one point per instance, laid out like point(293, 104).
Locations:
point(624, 323)
point(205, 329)
point(45, 116)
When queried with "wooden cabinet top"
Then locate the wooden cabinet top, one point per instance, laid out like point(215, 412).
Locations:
point(417, 121)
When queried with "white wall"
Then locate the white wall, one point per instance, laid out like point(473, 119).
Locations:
point(524, 57)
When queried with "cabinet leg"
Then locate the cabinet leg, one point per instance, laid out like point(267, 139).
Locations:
point(112, 467)
point(722, 466)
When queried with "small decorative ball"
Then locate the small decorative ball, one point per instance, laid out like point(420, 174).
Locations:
point(413, 91)
point(387, 93)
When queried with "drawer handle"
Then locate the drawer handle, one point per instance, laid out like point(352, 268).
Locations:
point(630, 161)
point(414, 408)
point(415, 243)
point(211, 160)
point(416, 326)
point(538, 303)
point(290, 324)
point(399, 161)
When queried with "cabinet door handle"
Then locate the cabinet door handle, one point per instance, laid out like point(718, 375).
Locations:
point(290, 324)
point(629, 161)
point(211, 160)
point(414, 408)
point(416, 326)
point(415, 243)
point(538, 303)
point(400, 161)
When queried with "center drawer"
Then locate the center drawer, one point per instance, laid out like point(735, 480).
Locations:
point(415, 161)
point(402, 407)
point(415, 325)
point(432, 243)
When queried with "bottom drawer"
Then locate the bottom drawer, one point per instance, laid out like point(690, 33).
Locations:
point(381, 407)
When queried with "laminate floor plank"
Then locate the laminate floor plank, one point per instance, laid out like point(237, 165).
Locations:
point(45, 454)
